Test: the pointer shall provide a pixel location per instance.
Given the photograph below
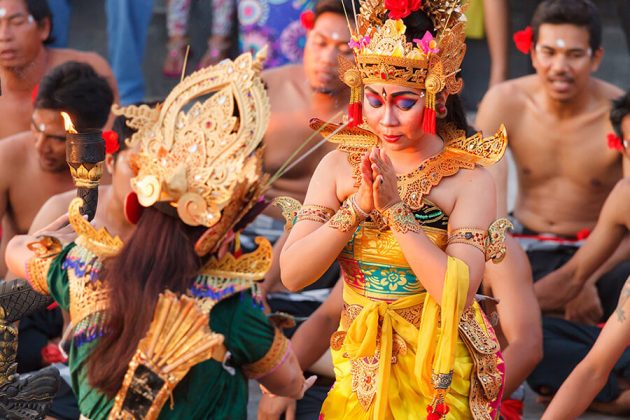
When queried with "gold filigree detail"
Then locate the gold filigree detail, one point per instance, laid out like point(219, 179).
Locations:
point(289, 207)
point(46, 249)
point(315, 213)
point(87, 175)
point(179, 338)
point(483, 151)
point(401, 219)
point(252, 266)
point(100, 241)
point(202, 154)
point(469, 236)
point(496, 240)
point(337, 339)
point(271, 360)
point(346, 218)
point(364, 371)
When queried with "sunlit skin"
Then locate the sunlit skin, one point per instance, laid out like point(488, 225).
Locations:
point(20, 36)
point(50, 139)
point(325, 42)
point(564, 60)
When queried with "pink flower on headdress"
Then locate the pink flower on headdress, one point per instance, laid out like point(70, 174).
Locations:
point(427, 44)
point(524, 39)
point(361, 43)
point(400, 9)
point(614, 142)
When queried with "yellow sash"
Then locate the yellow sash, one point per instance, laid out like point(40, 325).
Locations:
point(361, 337)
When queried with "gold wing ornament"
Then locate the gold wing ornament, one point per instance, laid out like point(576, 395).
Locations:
point(179, 337)
point(200, 151)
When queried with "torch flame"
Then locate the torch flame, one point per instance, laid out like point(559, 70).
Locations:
point(68, 123)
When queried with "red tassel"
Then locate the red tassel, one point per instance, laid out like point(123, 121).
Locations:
point(428, 121)
point(355, 114)
point(434, 416)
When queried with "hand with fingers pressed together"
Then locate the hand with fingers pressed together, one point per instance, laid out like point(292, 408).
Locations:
point(385, 185)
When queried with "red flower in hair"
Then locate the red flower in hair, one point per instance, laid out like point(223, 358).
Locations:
point(400, 9)
point(111, 141)
point(614, 142)
point(524, 39)
point(307, 18)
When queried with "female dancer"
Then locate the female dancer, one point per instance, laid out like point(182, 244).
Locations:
point(406, 212)
point(134, 340)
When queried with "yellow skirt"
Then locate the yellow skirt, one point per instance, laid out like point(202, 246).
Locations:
point(354, 394)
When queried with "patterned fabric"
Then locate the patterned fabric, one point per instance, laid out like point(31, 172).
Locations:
point(275, 23)
point(248, 337)
point(385, 314)
point(222, 17)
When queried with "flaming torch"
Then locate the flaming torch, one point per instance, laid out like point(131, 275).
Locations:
point(85, 154)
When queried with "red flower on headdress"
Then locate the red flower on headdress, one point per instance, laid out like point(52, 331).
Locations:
point(614, 142)
point(524, 39)
point(307, 18)
point(400, 9)
point(111, 141)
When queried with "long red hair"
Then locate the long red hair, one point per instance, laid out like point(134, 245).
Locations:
point(159, 255)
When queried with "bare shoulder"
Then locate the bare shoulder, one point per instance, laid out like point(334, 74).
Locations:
point(277, 77)
point(478, 179)
point(510, 93)
point(63, 55)
point(333, 160)
point(14, 149)
point(606, 91)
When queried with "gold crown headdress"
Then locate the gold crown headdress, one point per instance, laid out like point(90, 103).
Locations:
point(201, 157)
point(383, 54)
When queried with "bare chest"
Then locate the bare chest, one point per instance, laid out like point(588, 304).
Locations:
point(16, 115)
point(574, 151)
point(29, 192)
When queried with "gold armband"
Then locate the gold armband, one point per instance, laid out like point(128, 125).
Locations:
point(315, 213)
point(347, 217)
point(46, 249)
point(469, 236)
point(275, 356)
point(490, 242)
point(400, 218)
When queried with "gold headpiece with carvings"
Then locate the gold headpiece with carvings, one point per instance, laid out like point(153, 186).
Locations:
point(384, 55)
point(200, 151)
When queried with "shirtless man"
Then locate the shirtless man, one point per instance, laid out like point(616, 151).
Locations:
point(24, 59)
point(603, 371)
point(299, 92)
point(557, 123)
point(33, 163)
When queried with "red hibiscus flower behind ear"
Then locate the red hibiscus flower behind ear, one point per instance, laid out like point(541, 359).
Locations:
point(400, 9)
point(307, 18)
point(614, 142)
point(111, 141)
point(524, 40)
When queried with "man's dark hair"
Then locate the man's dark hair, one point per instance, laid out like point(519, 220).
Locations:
point(573, 12)
point(76, 89)
point(336, 6)
point(40, 11)
point(620, 110)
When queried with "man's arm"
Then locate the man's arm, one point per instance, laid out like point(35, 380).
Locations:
point(558, 287)
point(53, 208)
point(488, 121)
point(519, 314)
point(496, 18)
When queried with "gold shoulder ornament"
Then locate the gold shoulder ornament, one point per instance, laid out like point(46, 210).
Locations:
point(179, 337)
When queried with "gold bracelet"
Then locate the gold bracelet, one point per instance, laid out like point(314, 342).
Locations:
point(469, 236)
point(315, 213)
point(46, 249)
point(346, 218)
point(400, 218)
